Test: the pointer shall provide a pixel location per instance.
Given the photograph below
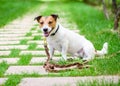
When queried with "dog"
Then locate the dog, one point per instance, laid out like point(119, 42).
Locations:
point(67, 41)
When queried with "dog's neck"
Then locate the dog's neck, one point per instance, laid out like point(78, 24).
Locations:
point(55, 30)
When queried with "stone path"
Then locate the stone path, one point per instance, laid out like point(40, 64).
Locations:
point(13, 36)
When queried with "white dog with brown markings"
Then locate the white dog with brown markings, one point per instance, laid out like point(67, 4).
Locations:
point(66, 41)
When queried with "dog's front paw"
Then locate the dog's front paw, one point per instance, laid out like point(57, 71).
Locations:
point(63, 58)
point(51, 59)
point(86, 59)
point(70, 59)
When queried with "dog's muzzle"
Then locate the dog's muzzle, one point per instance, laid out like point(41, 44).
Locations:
point(46, 33)
point(45, 29)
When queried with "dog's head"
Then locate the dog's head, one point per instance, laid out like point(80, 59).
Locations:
point(47, 23)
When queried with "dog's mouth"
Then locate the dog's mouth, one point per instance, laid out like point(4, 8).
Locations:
point(46, 34)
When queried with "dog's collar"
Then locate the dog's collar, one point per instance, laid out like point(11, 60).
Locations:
point(55, 31)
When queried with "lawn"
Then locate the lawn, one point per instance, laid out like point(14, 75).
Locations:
point(12, 9)
point(93, 25)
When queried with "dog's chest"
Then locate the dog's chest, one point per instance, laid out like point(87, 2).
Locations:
point(56, 44)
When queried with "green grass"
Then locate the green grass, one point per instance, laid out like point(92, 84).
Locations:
point(3, 68)
point(12, 9)
point(34, 28)
point(39, 31)
point(36, 25)
point(25, 59)
point(23, 41)
point(69, 61)
point(36, 38)
point(29, 34)
point(97, 83)
point(14, 52)
point(13, 80)
point(32, 46)
point(106, 66)
point(40, 49)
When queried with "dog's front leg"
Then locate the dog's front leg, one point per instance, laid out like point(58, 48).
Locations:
point(51, 51)
point(64, 51)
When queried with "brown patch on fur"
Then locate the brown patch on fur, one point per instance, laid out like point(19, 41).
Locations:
point(49, 21)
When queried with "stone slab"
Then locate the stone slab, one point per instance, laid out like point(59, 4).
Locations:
point(2, 81)
point(9, 60)
point(8, 47)
point(25, 69)
point(40, 46)
point(13, 32)
point(37, 34)
point(8, 42)
point(9, 28)
point(15, 38)
point(35, 41)
point(11, 35)
point(65, 81)
point(36, 60)
point(4, 53)
point(36, 52)
point(34, 31)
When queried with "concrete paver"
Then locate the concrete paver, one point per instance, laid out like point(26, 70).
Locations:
point(9, 60)
point(36, 60)
point(63, 81)
point(15, 38)
point(2, 81)
point(36, 52)
point(13, 32)
point(4, 53)
point(11, 35)
point(9, 42)
point(35, 41)
point(25, 69)
point(40, 46)
point(8, 47)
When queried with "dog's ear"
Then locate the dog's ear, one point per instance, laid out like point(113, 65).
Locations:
point(55, 16)
point(37, 18)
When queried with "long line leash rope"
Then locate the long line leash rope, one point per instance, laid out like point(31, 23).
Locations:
point(51, 67)
point(46, 50)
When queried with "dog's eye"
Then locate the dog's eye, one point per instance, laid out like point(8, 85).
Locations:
point(50, 22)
point(41, 22)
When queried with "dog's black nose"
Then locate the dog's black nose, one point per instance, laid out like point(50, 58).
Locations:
point(45, 29)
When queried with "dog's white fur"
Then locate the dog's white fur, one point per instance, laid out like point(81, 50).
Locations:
point(67, 41)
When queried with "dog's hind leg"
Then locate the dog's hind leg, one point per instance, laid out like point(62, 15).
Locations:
point(88, 53)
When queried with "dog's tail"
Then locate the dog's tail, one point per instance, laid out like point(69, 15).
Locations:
point(103, 51)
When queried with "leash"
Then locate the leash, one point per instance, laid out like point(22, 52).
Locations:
point(46, 50)
point(51, 67)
